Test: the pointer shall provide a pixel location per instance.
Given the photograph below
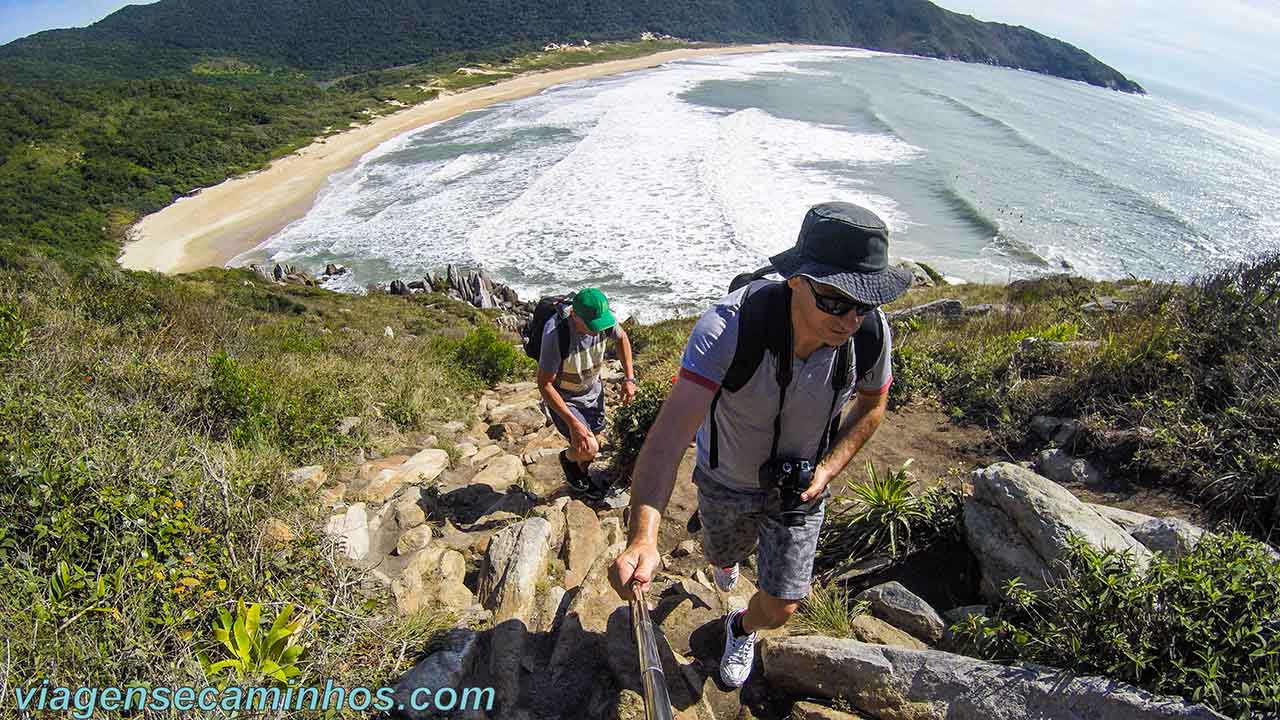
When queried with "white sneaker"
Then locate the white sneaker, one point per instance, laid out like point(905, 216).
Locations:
point(739, 654)
point(725, 578)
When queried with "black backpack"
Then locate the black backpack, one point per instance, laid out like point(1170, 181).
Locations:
point(551, 305)
point(764, 323)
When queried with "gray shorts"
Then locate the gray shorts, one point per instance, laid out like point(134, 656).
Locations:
point(735, 522)
point(592, 416)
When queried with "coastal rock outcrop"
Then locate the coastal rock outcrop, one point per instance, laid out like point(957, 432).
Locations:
point(1018, 523)
point(893, 683)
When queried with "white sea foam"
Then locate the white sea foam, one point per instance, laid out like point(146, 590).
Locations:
point(618, 183)
point(629, 184)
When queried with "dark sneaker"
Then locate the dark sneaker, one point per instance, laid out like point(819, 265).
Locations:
point(577, 480)
point(595, 492)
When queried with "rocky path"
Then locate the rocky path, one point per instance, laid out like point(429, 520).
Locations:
point(477, 520)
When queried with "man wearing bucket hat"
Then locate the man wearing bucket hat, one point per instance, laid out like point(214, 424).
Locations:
point(765, 376)
point(569, 363)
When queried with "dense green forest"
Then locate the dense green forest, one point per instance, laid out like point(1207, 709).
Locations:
point(325, 38)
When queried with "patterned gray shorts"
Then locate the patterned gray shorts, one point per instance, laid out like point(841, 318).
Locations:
point(735, 522)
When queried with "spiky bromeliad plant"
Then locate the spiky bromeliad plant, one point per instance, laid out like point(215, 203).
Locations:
point(254, 653)
point(888, 507)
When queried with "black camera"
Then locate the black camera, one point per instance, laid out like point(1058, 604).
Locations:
point(791, 477)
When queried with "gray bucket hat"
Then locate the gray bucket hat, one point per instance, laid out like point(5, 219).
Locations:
point(845, 246)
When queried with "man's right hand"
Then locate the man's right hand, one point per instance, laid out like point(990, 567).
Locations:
point(638, 562)
point(580, 439)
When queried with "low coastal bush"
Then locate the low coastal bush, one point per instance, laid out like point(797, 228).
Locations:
point(1179, 385)
point(1205, 626)
point(659, 347)
point(491, 357)
point(13, 333)
point(631, 422)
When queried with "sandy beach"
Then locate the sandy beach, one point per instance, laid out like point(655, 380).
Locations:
point(217, 224)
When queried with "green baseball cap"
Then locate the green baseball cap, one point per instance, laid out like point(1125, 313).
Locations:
point(593, 307)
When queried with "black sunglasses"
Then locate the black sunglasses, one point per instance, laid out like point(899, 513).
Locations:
point(836, 305)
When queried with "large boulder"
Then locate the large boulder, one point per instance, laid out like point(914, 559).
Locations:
point(433, 577)
point(424, 467)
point(946, 308)
point(1002, 552)
point(871, 629)
point(452, 666)
point(514, 561)
point(409, 508)
point(919, 278)
point(583, 542)
point(1170, 536)
point(352, 531)
point(814, 711)
point(1018, 524)
point(1060, 467)
point(903, 609)
point(587, 618)
point(514, 406)
point(312, 477)
point(481, 457)
point(500, 473)
point(379, 488)
point(892, 683)
point(1128, 520)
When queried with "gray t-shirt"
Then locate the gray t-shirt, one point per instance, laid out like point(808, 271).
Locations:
point(578, 374)
point(745, 418)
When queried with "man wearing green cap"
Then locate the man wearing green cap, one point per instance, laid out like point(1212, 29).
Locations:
point(569, 380)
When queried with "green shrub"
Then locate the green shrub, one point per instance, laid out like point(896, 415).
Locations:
point(631, 422)
point(491, 357)
point(13, 333)
point(1180, 385)
point(887, 507)
point(1206, 626)
point(658, 347)
point(238, 399)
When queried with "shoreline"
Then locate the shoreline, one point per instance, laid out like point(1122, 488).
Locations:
point(215, 224)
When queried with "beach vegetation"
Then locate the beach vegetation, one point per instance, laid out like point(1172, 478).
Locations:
point(1203, 626)
point(885, 516)
point(82, 157)
point(147, 428)
point(492, 357)
point(256, 652)
point(631, 422)
point(1175, 386)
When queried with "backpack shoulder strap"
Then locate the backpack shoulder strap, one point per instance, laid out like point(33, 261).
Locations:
point(862, 350)
point(749, 277)
point(764, 323)
point(562, 336)
point(842, 375)
point(868, 343)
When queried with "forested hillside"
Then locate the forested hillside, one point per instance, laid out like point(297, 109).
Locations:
point(325, 38)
